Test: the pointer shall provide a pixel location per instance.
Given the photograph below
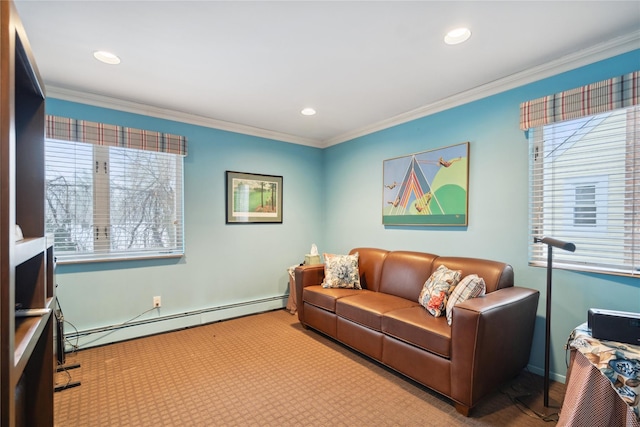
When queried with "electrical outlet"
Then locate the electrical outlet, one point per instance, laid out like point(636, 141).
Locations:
point(157, 302)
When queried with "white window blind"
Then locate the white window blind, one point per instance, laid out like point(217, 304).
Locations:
point(109, 202)
point(585, 189)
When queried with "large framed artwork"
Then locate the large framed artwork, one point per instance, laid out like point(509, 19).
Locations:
point(427, 188)
point(253, 198)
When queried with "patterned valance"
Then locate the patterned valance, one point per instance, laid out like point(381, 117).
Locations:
point(607, 95)
point(66, 129)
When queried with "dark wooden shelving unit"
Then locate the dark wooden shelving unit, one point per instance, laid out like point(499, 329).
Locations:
point(26, 265)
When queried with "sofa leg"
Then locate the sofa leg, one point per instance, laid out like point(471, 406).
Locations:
point(462, 409)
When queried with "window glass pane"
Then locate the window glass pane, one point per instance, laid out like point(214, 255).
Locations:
point(583, 190)
point(144, 203)
point(585, 206)
point(69, 196)
point(113, 203)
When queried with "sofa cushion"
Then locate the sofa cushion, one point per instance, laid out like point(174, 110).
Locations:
point(416, 326)
point(437, 288)
point(367, 308)
point(471, 286)
point(370, 261)
point(326, 297)
point(404, 273)
point(341, 271)
point(496, 275)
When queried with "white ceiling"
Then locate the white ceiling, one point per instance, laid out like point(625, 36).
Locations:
point(363, 65)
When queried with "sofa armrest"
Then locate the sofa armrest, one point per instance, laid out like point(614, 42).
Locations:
point(491, 340)
point(306, 275)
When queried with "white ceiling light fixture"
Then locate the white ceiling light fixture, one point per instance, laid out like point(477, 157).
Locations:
point(308, 111)
point(106, 57)
point(457, 36)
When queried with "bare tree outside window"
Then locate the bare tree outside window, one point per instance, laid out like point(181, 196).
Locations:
point(136, 210)
point(143, 200)
point(69, 196)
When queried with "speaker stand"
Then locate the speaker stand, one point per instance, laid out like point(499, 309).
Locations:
point(70, 384)
point(544, 407)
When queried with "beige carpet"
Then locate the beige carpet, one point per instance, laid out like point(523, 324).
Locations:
point(261, 370)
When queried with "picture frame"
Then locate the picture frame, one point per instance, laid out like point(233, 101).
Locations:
point(429, 188)
point(253, 198)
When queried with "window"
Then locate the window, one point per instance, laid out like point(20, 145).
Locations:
point(585, 208)
point(110, 202)
point(584, 189)
point(586, 201)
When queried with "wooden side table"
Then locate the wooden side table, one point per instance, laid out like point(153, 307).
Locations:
point(292, 306)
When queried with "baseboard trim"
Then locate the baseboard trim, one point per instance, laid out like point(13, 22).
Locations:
point(145, 327)
point(552, 375)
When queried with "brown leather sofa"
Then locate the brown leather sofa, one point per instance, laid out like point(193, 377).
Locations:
point(488, 342)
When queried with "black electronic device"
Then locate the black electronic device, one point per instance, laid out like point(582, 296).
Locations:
point(60, 337)
point(60, 354)
point(611, 325)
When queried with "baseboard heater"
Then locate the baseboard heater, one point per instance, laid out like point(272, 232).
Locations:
point(111, 328)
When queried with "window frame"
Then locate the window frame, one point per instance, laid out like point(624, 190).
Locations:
point(101, 154)
point(543, 182)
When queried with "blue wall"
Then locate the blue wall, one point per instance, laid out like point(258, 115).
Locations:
point(498, 200)
point(224, 265)
point(332, 197)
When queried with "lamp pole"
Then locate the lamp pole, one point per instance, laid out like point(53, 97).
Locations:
point(550, 242)
point(547, 339)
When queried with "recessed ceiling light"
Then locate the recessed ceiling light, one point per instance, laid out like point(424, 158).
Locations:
point(308, 111)
point(457, 36)
point(106, 57)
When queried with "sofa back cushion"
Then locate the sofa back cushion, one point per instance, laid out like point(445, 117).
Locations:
point(404, 273)
point(496, 275)
point(370, 262)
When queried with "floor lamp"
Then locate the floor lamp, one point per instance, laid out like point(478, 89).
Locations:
point(551, 243)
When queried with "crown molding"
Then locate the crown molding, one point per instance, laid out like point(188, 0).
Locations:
point(179, 116)
point(601, 51)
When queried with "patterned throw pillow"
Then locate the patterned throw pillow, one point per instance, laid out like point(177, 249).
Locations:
point(437, 288)
point(341, 271)
point(471, 286)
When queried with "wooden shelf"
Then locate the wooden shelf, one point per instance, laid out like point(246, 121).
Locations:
point(28, 331)
point(28, 248)
point(26, 266)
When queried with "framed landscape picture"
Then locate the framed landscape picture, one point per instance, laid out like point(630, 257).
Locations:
point(253, 198)
point(427, 188)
